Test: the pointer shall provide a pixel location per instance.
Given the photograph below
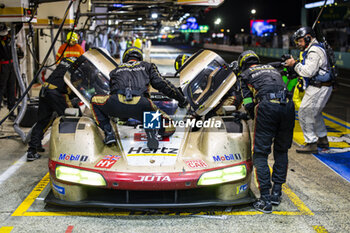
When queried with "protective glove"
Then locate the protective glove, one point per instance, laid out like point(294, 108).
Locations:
point(234, 67)
point(183, 103)
point(244, 116)
point(241, 115)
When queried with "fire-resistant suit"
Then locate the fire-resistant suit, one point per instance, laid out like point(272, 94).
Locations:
point(129, 98)
point(54, 96)
point(7, 73)
point(316, 94)
point(266, 99)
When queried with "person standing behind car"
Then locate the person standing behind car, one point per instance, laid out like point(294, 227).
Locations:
point(73, 49)
point(266, 100)
point(315, 70)
point(7, 72)
point(129, 97)
point(54, 96)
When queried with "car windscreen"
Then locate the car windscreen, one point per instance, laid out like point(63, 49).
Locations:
point(206, 82)
point(88, 80)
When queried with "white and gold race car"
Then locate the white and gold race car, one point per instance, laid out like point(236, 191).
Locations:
point(206, 162)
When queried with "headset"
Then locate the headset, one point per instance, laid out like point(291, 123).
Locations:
point(307, 40)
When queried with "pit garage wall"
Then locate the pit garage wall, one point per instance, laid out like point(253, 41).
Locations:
point(56, 11)
point(343, 59)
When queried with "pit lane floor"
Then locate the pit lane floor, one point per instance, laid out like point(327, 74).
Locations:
point(315, 199)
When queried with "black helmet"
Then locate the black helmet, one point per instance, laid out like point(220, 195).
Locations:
point(301, 33)
point(247, 58)
point(180, 60)
point(132, 52)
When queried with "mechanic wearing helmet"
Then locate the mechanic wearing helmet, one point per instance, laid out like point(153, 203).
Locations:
point(266, 99)
point(73, 49)
point(180, 60)
point(54, 96)
point(129, 98)
point(315, 70)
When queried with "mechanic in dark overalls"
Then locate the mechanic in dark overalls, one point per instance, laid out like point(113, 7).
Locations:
point(7, 73)
point(129, 97)
point(266, 100)
point(54, 96)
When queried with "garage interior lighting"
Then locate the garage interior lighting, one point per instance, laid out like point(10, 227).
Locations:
point(154, 15)
point(223, 175)
point(75, 175)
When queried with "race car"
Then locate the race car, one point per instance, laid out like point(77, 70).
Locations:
point(206, 162)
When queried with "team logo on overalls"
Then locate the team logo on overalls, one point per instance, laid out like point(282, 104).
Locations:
point(151, 120)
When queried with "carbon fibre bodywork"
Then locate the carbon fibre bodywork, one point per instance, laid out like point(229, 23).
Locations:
point(136, 176)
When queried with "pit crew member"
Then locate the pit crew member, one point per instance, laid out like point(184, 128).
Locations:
point(129, 97)
point(266, 101)
point(54, 96)
point(315, 70)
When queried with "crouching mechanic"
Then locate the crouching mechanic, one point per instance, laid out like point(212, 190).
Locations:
point(54, 96)
point(266, 100)
point(129, 97)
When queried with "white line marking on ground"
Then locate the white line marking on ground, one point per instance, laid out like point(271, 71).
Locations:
point(11, 170)
point(16, 165)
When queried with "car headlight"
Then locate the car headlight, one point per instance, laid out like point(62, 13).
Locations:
point(79, 176)
point(223, 175)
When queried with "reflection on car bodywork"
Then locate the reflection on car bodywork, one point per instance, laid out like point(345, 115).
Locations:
point(196, 166)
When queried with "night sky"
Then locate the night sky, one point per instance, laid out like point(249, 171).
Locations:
point(235, 14)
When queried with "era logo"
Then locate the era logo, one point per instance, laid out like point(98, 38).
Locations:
point(153, 179)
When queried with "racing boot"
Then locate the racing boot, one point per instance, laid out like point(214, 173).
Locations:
point(40, 148)
point(12, 117)
point(276, 194)
point(109, 135)
point(152, 139)
point(309, 148)
point(323, 142)
point(32, 155)
point(263, 204)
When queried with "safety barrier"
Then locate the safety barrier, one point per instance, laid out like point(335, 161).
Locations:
point(222, 47)
point(343, 58)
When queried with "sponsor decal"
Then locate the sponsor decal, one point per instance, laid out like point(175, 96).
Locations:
point(142, 150)
point(59, 189)
point(71, 157)
point(108, 161)
point(142, 137)
point(196, 163)
point(153, 179)
point(242, 188)
point(151, 120)
point(229, 157)
point(112, 157)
